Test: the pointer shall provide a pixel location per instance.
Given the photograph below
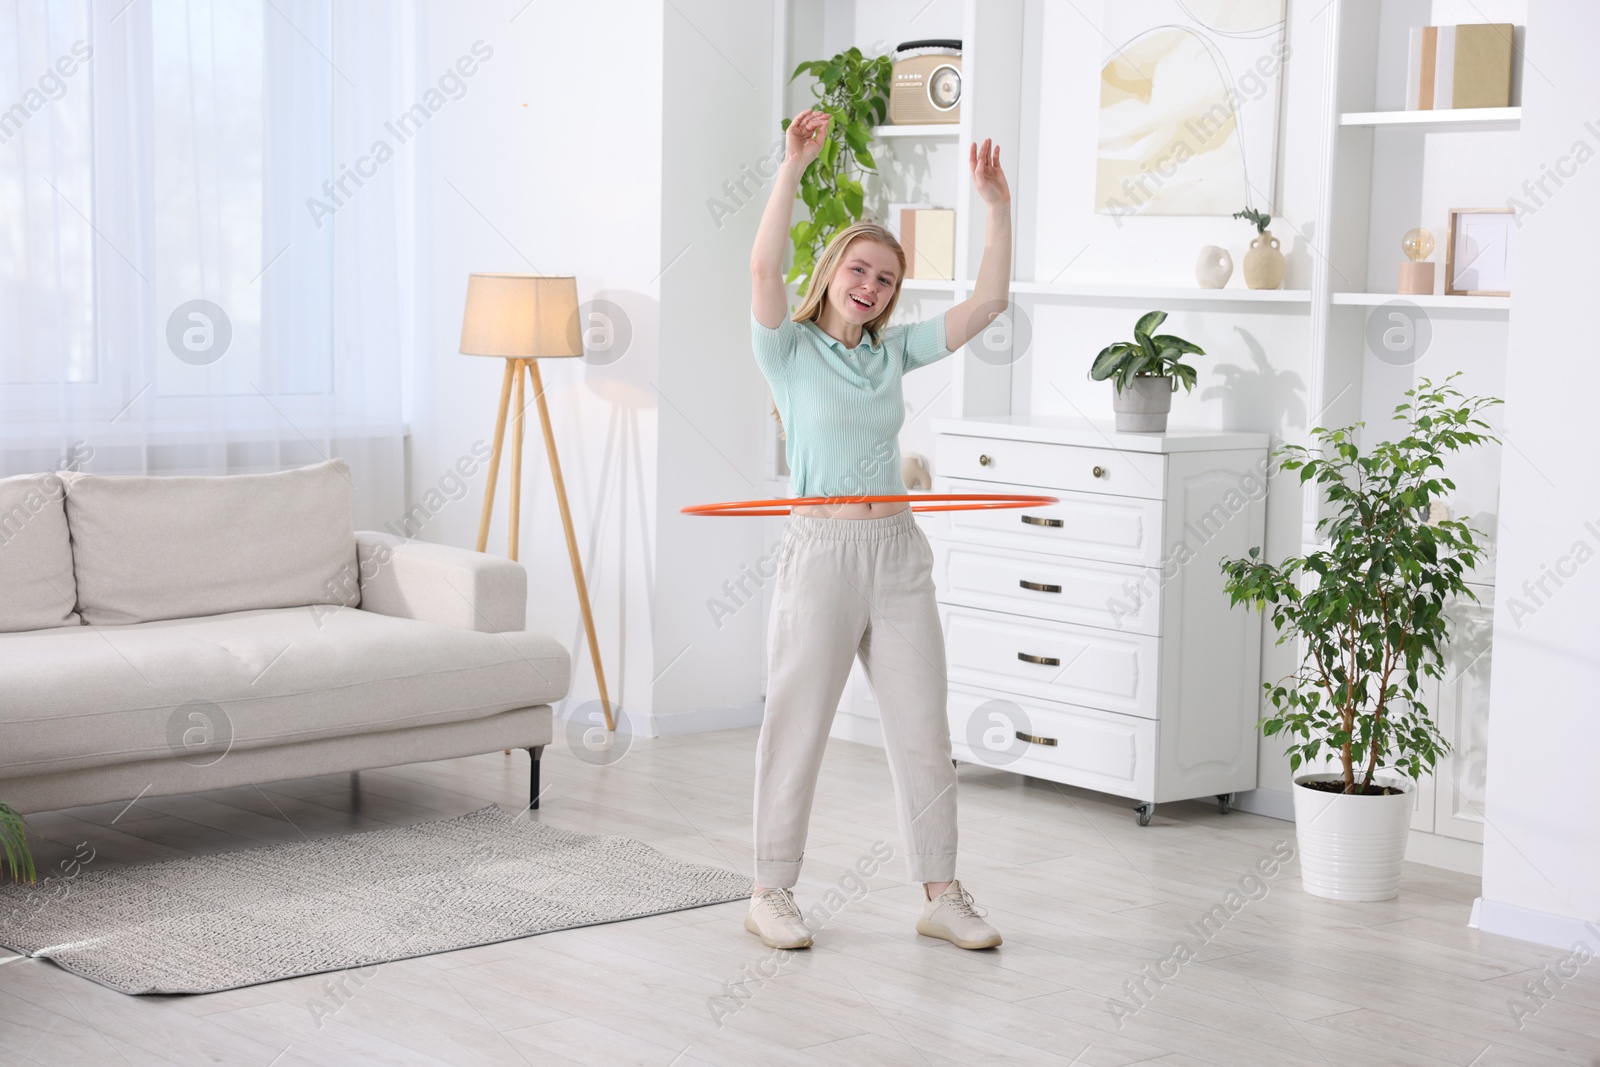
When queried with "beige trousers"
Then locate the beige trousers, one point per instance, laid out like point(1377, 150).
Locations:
point(849, 587)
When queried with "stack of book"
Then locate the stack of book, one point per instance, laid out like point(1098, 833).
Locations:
point(1459, 66)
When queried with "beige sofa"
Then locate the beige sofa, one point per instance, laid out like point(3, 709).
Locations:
point(169, 635)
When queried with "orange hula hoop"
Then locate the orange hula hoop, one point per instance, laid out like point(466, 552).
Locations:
point(951, 502)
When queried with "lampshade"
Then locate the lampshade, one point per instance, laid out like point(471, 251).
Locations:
point(521, 316)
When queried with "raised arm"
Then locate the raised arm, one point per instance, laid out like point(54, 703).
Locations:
point(991, 292)
point(803, 139)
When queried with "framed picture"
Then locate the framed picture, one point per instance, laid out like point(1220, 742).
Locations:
point(1477, 255)
point(1188, 116)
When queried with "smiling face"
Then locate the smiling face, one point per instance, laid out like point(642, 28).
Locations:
point(865, 281)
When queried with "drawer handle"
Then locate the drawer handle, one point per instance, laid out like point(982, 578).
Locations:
point(1032, 740)
point(984, 460)
point(1048, 661)
point(1035, 520)
point(1099, 472)
point(1041, 587)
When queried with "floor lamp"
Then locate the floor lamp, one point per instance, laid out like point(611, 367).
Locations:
point(523, 318)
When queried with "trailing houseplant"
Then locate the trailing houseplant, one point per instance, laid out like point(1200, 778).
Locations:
point(1145, 372)
point(1367, 609)
point(14, 843)
point(855, 91)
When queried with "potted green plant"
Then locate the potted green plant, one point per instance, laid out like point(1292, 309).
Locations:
point(1145, 372)
point(1263, 263)
point(1368, 610)
point(855, 91)
point(14, 843)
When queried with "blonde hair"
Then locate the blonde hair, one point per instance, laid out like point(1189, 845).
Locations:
point(810, 309)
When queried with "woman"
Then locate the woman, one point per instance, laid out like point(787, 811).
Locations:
point(855, 577)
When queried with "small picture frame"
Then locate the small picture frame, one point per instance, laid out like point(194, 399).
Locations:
point(1477, 254)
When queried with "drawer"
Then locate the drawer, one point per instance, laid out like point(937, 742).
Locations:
point(1082, 665)
point(1114, 596)
point(1092, 749)
point(1084, 470)
point(1114, 529)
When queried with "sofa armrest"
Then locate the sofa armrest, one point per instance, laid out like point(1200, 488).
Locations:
point(440, 584)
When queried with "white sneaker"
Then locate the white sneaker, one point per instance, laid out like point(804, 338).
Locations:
point(954, 916)
point(775, 918)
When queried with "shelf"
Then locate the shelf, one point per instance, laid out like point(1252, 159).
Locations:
point(910, 285)
point(1501, 304)
point(933, 131)
point(928, 285)
point(1466, 118)
point(1095, 290)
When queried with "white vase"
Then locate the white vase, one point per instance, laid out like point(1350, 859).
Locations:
point(1214, 267)
point(1351, 846)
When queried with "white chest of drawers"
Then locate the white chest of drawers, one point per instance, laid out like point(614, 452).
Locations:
point(1090, 642)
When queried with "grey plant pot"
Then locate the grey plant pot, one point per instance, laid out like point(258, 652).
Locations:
point(1143, 406)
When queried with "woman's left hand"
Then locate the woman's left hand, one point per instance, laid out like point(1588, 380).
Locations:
point(987, 177)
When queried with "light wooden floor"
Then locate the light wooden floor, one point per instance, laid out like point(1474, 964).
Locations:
point(1085, 898)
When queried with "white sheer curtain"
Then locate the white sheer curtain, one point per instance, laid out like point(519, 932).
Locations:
point(197, 274)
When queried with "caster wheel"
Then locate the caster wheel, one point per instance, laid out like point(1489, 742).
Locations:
point(1225, 802)
point(1144, 811)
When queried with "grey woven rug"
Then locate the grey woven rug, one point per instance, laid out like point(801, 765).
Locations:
point(208, 923)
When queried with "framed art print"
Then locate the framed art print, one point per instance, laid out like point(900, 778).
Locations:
point(1477, 256)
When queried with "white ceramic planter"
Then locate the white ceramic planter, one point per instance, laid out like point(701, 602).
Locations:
point(1351, 847)
point(1143, 406)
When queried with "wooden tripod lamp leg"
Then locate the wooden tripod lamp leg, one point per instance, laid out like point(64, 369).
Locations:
point(572, 540)
point(494, 458)
point(516, 457)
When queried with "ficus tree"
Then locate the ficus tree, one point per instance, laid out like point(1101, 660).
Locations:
point(1368, 607)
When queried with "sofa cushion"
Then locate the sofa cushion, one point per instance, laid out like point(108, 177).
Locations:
point(36, 585)
point(197, 688)
point(149, 548)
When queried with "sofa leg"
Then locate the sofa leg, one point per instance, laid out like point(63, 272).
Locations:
point(533, 775)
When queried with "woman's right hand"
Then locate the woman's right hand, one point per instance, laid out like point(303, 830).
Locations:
point(804, 137)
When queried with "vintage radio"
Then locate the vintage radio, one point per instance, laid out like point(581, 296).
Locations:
point(926, 83)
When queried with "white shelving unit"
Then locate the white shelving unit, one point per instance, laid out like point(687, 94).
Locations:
point(922, 162)
point(1385, 171)
point(1355, 172)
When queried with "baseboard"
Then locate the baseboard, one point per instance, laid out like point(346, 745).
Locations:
point(1273, 803)
point(700, 720)
point(1539, 927)
point(859, 728)
point(1450, 853)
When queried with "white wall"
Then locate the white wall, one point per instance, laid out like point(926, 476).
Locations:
point(1541, 867)
point(718, 146)
point(551, 163)
point(592, 144)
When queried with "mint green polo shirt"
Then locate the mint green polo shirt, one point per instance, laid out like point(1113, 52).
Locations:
point(842, 408)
